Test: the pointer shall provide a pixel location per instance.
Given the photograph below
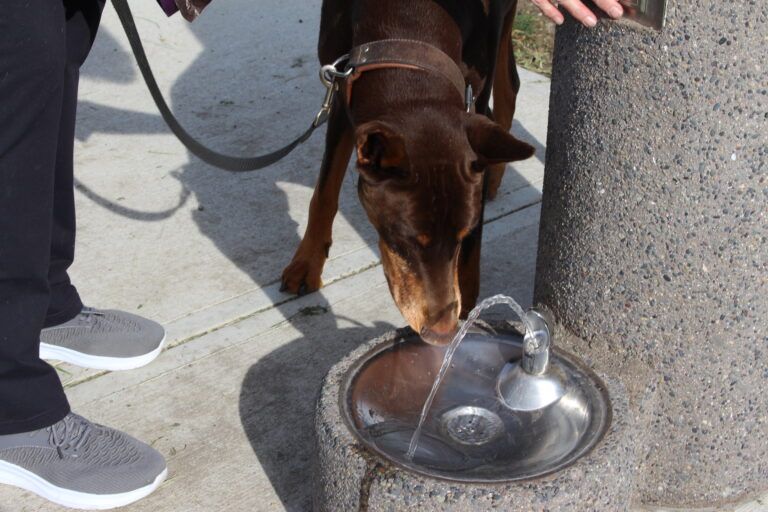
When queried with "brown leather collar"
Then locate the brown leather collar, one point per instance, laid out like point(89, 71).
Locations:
point(406, 54)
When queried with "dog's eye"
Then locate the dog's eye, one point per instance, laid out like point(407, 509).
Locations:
point(477, 166)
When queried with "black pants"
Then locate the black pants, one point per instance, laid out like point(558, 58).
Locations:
point(42, 45)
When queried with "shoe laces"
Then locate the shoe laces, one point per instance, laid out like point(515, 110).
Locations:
point(70, 434)
point(88, 315)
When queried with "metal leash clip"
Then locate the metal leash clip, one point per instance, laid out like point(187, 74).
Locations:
point(469, 98)
point(329, 76)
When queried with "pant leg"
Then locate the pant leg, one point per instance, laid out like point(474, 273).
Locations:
point(32, 62)
point(83, 17)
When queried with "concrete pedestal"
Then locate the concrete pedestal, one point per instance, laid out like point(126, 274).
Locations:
point(654, 237)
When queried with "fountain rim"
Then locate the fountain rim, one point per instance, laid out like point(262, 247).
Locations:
point(403, 334)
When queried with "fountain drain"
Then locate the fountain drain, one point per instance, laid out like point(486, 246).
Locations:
point(471, 425)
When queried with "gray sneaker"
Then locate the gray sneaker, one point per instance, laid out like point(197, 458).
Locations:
point(104, 340)
point(79, 464)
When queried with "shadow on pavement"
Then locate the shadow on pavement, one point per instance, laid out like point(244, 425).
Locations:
point(278, 395)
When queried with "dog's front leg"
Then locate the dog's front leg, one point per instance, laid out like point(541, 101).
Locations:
point(506, 84)
point(469, 269)
point(302, 275)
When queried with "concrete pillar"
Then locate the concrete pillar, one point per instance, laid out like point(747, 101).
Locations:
point(654, 232)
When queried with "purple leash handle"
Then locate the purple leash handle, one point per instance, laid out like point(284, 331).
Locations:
point(169, 6)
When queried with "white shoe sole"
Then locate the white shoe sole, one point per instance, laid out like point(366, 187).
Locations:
point(67, 355)
point(12, 474)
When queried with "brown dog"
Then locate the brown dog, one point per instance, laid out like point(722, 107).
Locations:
point(425, 163)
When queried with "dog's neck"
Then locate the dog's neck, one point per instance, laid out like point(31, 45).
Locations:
point(460, 28)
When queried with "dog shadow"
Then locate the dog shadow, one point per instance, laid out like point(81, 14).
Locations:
point(277, 408)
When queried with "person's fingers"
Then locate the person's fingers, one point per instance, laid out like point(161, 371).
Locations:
point(612, 7)
point(580, 11)
point(549, 10)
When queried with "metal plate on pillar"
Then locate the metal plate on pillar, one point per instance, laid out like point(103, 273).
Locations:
point(651, 13)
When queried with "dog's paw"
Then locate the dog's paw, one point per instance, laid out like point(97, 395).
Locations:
point(302, 276)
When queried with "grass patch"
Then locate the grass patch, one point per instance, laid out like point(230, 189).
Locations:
point(533, 38)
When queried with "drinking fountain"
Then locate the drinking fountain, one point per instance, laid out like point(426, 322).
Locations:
point(513, 418)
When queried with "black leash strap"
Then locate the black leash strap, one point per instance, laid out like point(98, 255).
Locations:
point(226, 162)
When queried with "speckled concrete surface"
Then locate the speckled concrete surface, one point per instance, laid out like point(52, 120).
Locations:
point(348, 477)
point(653, 237)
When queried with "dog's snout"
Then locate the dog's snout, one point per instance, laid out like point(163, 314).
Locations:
point(441, 332)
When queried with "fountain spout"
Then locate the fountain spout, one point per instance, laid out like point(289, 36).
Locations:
point(528, 384)
point(536, 343)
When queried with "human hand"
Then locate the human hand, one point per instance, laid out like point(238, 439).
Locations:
point(579, 11)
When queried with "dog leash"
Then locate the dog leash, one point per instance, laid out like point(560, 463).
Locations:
point(386, 53)
point(214, 158)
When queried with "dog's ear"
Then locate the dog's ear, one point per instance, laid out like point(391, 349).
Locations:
point(493, 144)
point(380, 147)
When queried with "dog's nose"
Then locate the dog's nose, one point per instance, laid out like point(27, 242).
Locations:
point(441, 332)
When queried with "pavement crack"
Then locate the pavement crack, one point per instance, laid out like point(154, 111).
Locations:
point(513, 211)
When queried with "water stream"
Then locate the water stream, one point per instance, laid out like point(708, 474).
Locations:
point(473, 315)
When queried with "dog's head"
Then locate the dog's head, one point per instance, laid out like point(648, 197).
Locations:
point(421, 184)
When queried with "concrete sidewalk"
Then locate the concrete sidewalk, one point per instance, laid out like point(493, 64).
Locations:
point(231, 403)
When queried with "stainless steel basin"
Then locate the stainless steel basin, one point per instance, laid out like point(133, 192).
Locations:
point(470, 433)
